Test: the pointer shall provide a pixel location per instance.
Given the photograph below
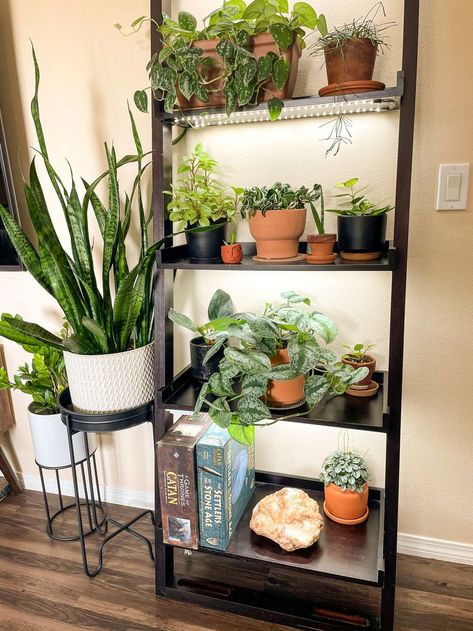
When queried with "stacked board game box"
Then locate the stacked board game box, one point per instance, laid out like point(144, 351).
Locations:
point(225, 483)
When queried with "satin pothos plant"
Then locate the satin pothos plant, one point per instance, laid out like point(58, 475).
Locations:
point(182, 65)
point(236, 394)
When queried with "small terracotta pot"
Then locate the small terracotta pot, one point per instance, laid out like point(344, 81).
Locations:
point(370, 364)
point(231, 254)
point(263, 44)
point(353, 61)
point(346, 505)
point(216, 98)
point(284, 393)
point(277, 232)
point(321, 244)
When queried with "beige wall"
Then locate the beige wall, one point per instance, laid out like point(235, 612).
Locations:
point(89, 71)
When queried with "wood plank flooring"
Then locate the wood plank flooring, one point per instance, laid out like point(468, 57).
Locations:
point(42, 587)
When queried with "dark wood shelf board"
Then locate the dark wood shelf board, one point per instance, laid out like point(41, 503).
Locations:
point(350, 553)
point(385, 100)
point(177, 257)
point(345, 411)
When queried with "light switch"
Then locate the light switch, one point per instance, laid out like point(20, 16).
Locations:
point(452, 190)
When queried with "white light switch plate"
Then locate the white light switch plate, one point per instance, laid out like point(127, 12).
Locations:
point(452, 190)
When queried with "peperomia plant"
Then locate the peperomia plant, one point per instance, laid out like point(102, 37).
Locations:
point(220, 313)
point(357, 204)
point(182, 65)
point(280, 197)
point(198, 198)
point(346, 469)
point(358, 352)
point(236, 394)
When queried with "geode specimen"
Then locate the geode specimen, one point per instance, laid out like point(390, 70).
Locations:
point(289, 517)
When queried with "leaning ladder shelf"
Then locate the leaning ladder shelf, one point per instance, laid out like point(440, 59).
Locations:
point(364, 555)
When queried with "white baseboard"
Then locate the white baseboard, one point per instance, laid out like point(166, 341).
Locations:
point(407, 544)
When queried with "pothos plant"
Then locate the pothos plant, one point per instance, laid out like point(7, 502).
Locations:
point(235, 395)
point(182, 64)
point(198, 198)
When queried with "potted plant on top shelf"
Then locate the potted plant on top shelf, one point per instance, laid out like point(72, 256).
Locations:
point(277, 365)
point(204, 352)
point(200, 200)
point(361, 225)
point(109, 354)
point(44, 380)
point(350, 53)
point(277, 217)
point(241, 55)
point(345, 476)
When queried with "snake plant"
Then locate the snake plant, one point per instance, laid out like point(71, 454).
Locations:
point(109, 314)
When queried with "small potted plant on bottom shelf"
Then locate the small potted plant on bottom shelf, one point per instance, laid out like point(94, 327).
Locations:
point(278, 365)
point(320, 245)
point(231, 252)
point(206, 350)
point(277, 217)
point(44, 380)
point(199, 200)
point(361, 225)
point(358, 357)
point(350, 53)
point(345, 476)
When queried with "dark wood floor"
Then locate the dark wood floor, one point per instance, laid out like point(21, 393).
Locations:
point(42, 587)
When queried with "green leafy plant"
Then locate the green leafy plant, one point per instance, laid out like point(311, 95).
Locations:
point(198, 198)
point(220, 313)
point(281, 197)
point(44, 379)
point(232, 239)
point(182, 65)
point(118, 317)
point(363, 27)
point(357, 204)
point(358, 353)
point(346, 469)
point(235, 395)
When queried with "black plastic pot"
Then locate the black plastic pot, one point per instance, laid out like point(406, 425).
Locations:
point(206, 245)
point(365, 233)
point(199, 349)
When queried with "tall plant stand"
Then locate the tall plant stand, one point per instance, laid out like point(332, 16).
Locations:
point(82, 422)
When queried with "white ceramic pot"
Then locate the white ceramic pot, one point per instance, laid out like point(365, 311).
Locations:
point(111, 383)
point(50, 444)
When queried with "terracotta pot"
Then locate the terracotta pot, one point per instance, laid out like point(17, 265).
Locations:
point(370, 364)
point(321, 244)
point(263, 44)
point(277, 232)
point(347, 505)
point(354, 61)
point(216, 98)
point(284, 393)
point(231, 254)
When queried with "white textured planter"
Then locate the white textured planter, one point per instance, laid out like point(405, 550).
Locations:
point(111, 383)
point(50, 444)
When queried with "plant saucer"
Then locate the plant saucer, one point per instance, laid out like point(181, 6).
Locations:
point(320, 260)
point(291, 259)
point(368, 392)
point(351, 87)
point(360, 256)
point(282, 408)
point(347, 522)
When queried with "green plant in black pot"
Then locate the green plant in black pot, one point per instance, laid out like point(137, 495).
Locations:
point(278, 363)
point(277, 217)
point(207, 349)
point(239, 56)
point(361, 223)
point(199, 199)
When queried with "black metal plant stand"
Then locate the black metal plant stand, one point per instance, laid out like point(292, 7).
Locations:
point(82, 422)
point(94, 525)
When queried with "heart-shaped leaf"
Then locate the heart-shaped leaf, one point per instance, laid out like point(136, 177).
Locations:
point(280, 72)
point(265, 65)
point(282, 34)
point(186, 21)
point(275, 106)
point(244, 434)
point(187, 84)
point(141, 100)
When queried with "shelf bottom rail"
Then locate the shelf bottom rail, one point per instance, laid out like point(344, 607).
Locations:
point(292, 612)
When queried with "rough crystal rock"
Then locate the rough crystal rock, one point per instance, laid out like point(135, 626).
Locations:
point(289, 517)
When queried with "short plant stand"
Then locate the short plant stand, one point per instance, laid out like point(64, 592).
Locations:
point(82, 422)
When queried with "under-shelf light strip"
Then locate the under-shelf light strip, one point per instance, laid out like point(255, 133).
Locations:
point(301, 111)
